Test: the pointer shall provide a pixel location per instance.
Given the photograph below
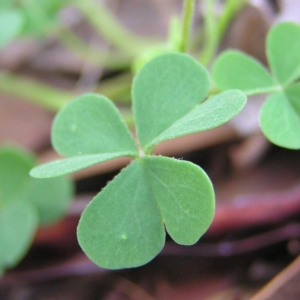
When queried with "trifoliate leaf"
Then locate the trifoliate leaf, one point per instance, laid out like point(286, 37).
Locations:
point(235, 70)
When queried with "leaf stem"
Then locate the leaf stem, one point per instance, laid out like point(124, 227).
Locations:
point(39, 93)
point(214, 29)
point(108, 26)
point(188, 12)
point(259, 91)
point(210, 33)
point(267, 90)
point(105, 59)
point(231, 8)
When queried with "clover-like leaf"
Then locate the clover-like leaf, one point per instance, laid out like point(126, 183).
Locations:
point(280, 114)
point(90, 130)
point(11, 22)
point(165, 89)
point(293, 94)
point(5, 5)
point(171, 89)
point(236, 70)
point(126, 228)
point(214, 112)
point(283, 48)
point(25, 203)
point(91, 124)
point(124, 225)
point(280, 118)
point(72, 164)
point(40, 15)
point(14, 168)
point(50, 197)
point(18, 222)
point(233, 69)
point(184, 195)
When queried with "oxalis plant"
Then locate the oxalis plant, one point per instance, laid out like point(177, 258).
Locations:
point(26, 203)
point(125, 224)
point(280, 113)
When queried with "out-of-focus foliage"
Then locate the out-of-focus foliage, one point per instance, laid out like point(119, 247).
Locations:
point(26, 203)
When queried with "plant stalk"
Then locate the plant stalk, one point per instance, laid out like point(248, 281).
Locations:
point(108, 26)
point(231, 8)
point(35, 92)
point(211, 36)
point(105, 59)
point(215, 28)
point(188, 12)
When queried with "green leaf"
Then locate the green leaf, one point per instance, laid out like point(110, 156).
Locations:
point(280, 118)
point(11, 23)
point(122, 226)
point(283, 48)
point(73, 164)
point(52, 7)
point(50, 197)
point(91, 124)
point(25, 203)
point(126, 228)
point(5, 4)
point(184, 195)
point(92, 128)
point(235, 70)
point(214, 112)
point(166, 89)
point(14, 168)
point(293, 94)
point(41, 15)
point(18, 222)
